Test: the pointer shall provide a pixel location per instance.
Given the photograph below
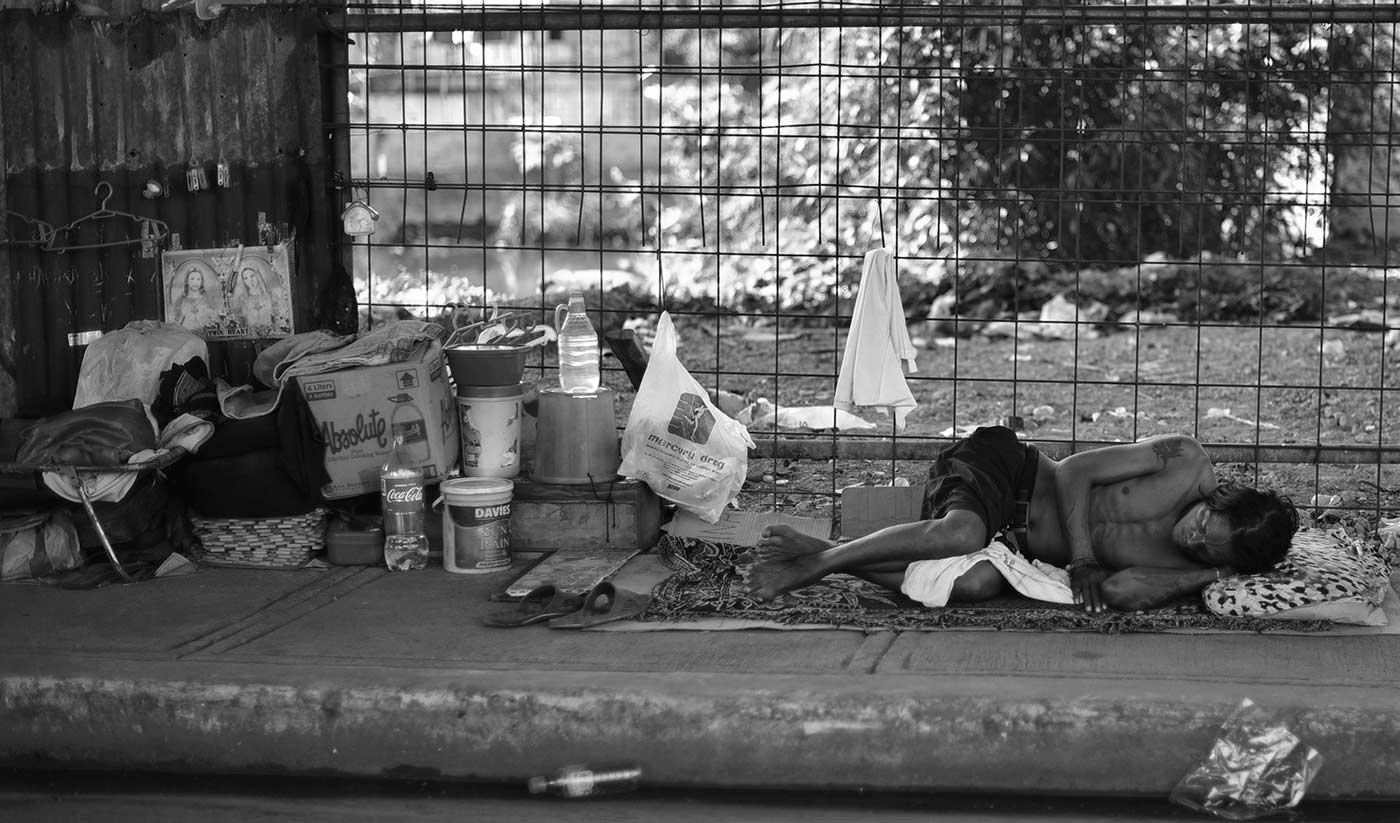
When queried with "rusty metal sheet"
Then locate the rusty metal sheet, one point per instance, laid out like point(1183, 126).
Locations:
point(225, 115)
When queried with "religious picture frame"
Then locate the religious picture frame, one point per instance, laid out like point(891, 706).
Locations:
point(235, 293)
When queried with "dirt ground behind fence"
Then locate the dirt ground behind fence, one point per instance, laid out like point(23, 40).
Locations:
point(1223, 384)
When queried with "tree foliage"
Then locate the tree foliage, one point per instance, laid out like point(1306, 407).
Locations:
point(1078, 145)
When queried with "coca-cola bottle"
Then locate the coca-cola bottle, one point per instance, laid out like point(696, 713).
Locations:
point(401, 495)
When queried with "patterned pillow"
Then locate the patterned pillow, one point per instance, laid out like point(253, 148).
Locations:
point(1324, 576)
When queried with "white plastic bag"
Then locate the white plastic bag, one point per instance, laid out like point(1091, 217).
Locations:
point(1257, 768)
point(126, 364)
point(677, 441)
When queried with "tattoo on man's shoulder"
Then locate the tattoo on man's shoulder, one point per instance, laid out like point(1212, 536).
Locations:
point(1167, 449)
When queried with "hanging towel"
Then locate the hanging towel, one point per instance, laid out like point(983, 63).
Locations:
point(877, 346)
point(931, 581)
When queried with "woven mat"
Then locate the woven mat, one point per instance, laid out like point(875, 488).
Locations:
point(706, 582)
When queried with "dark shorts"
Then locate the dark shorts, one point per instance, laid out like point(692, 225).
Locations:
point(990, 473)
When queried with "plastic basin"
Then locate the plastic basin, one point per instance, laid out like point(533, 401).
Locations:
point(485, 365)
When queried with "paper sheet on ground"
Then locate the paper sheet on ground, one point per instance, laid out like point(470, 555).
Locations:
point(741, 528)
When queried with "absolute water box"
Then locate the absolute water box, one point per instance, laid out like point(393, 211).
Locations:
point(358, 410)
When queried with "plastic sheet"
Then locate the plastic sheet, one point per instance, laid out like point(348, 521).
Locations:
point(1256, 768)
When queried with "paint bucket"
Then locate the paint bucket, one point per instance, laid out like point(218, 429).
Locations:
point(476, 524)
point(488, 420)
point(576, 439)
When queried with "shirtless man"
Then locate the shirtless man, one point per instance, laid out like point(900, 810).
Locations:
point(1138, 524)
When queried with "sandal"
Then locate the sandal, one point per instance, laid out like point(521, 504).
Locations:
point(539, 604)
point(605, 604)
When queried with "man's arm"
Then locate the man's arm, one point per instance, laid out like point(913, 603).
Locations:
point(1146, 587)
point(1076, 476)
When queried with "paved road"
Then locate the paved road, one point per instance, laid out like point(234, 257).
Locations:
point(59, 798)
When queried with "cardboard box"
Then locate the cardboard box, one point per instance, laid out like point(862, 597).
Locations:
point(866, 509)
point(625, 514)
point(358, 410)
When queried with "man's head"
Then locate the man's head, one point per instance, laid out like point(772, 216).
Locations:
point(1244, 528)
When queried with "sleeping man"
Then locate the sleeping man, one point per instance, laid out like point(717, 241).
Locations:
point(1137, 525)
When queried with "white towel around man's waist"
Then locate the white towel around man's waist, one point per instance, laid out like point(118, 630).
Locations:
point(931, 581)
point(877, 345)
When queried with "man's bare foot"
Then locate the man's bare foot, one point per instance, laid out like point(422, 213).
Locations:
point(780, 542)
point(767, 580)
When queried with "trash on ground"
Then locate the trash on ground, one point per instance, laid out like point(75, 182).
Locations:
point(1118, 412)
point(762, 414)
point(1228, 415)
point(1062, 319)
point(588, 781)
point(175, 564)
point(1257, 767)
point(896, 483)
point(1389, 532)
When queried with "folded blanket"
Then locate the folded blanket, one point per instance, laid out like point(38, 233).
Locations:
point(322, 351)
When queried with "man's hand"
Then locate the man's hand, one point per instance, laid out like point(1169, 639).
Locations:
point(1086, 584)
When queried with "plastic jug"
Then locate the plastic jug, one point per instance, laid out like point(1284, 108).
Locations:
point(578, 348)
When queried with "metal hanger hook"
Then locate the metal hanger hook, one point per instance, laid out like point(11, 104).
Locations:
point(98, 191)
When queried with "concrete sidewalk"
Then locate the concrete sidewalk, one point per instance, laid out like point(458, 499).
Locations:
point(358, 672)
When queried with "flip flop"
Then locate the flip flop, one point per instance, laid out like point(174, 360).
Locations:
point(539, 604)
point(605, 604)
point(97, 575)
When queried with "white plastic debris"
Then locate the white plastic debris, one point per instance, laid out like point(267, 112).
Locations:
point(1228, 415)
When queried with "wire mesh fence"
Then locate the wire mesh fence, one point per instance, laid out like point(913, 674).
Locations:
point(1108, 220)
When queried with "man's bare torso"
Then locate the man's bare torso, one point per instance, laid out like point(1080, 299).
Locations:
point(1130, 521)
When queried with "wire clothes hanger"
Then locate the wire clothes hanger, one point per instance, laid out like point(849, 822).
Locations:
point(151, 230)
point(41, 230)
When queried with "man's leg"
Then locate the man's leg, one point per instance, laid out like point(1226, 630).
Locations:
point(789, 560)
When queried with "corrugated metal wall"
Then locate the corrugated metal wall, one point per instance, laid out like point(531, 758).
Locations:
point(136, 96)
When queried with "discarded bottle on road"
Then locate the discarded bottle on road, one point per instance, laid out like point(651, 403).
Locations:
point(401, 496)
point(589, 781)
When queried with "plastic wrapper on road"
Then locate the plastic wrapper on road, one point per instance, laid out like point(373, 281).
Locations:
point(1256, 768)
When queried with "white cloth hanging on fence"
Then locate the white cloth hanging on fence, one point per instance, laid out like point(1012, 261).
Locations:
point(877, 345)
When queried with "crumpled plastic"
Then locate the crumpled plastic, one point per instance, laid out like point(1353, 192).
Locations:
point(1389, 532)
point(1256, 768)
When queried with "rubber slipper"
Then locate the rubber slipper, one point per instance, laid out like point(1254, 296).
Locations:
point(539, 604)
point(604, 604)
point(97, 575)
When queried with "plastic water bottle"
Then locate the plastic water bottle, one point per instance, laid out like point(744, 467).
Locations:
point(578, 348)
point(589, 781)
point(401, 496)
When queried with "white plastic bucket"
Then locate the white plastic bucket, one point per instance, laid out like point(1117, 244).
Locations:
point(476, 524)
point(489, 418)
